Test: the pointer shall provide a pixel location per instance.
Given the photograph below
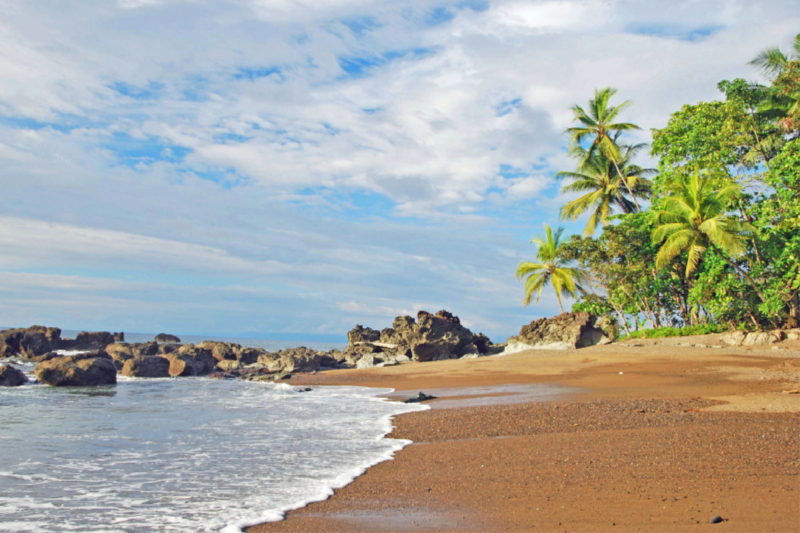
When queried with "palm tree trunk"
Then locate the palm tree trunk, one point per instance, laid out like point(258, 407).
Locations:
point(559, 303)
point(739, 270)
point(619, 173)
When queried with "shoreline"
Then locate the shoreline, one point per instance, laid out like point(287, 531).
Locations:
point(726, 406)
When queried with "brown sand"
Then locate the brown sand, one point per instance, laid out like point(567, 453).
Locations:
point(683, 434)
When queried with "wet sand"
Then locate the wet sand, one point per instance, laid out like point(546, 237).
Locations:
point(561, 441)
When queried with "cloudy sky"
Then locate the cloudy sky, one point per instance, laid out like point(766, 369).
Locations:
point(298, 166)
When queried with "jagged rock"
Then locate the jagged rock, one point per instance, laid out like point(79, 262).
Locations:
point(167, 348)
point(29, 342)
point(149, 366)
point(733, 338)
point(183, 365)
point(43, 357)
point(227, 365)
point(762, 338)
point(93, 340)
point(221, 350)
point(563, 332)
point(792, 334)
point(121, 352)
point(299, 359)
point(205, 360)
point(12, 377)
point(361, 334)
point(369, 360)
point(119, 336)
point(248, 356)
point(81, 370)
point(609, 326)
point(166, 337)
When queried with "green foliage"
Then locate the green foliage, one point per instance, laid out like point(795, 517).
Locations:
point(660, 333)
point(552, 269)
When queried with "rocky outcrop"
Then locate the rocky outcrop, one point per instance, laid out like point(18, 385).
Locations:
point(29, 342)
point(563, 332)
point(299, 359)
point(11, 377)
point(754, 338)
point(204, 360)
point(150, 366)
point(166, 337)
point(121, 352)
point(93, 340)
point(82, 370)
point(183, 365)
point(428, 338)
point(221, 350)
point(119, 336)
point(609, 326)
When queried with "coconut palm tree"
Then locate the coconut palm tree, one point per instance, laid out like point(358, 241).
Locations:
point(597, 177)
point(598, 124)
point(694, 218)
point(550, 269)
point(773, 61)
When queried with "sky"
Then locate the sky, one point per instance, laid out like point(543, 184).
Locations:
point(295, 167)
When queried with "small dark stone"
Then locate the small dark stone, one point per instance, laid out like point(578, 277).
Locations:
point(715, 519)
point(421, 397)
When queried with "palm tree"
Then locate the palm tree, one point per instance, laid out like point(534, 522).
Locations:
point(597, 176)
point(551, 269)
point(694, 218)
point(773, 61)
point(598, 123)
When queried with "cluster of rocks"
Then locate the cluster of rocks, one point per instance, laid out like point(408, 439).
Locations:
point(759, 338)
point(428, 338)
point(564, 332)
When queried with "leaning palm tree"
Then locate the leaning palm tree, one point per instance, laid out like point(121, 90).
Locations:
point(604, 188)
point(550, 269)
point(694, 218)
point(598, 124)
point(773, 61)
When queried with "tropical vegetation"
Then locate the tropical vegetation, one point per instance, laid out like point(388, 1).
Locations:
point(708, 240)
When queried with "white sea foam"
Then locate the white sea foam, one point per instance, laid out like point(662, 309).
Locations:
point(183, 455)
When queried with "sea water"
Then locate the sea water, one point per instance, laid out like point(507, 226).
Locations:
point(187, 454)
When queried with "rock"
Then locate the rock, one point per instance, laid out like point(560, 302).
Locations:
point(12, 377)
point(609, 326)
point(248, 356)
point(360, 334)
point(166, 337)
point(183, 365)
point(563, 332)
point(762, 338)
point(299, 359)
point(150, 366)
point(715, 520)
point(733, 338)
point(792, 334)
point(167, 348)
point(29, 342)
point(227, 365)
point(93, 340)
point(221, 350)
point(119, 336)
point(81, 370)
point(44, 357)
point(368, 361)
point(205, 361)
point(421, 397)
point(121, 352)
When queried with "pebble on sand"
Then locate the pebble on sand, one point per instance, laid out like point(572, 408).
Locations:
point(715, 519)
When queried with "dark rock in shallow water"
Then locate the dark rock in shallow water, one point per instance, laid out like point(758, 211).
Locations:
point(221, 350)
point(421, 397)
point(93, 340)
point(167, 348)
point(81, 370)
point(183, 365)
point(43, 357)
point(120, 352)
point(29, 342)
point(119, 336)
point(146, 367)
point(166, 337)
point(205, 362)
point(12, 377)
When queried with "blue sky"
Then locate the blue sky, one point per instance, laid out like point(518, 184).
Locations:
point(273, 167)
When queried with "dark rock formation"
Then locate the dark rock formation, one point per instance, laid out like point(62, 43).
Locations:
point(93, 340)
point(563, 332)
point(120, 352)
point(29, 342)
point(119, 336)
point(81, 370)
point(429, 338)
point(167, 348)
point(299, 359)
point(146, 367)
point(166, 337)
point(205, 361)
point(221, 350)
point(11, 377)
point(43, 357)
point(183, 365)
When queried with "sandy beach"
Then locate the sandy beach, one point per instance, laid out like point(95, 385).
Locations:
point(635, 436)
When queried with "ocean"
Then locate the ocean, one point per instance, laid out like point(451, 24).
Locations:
point(182, 455)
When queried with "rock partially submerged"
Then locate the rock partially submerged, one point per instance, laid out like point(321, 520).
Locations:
point(12, 377)
point(150, 366)
point(563, 332)
point(421, 397)
point(29, 342)
point(82, 370)
point(166, 337)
